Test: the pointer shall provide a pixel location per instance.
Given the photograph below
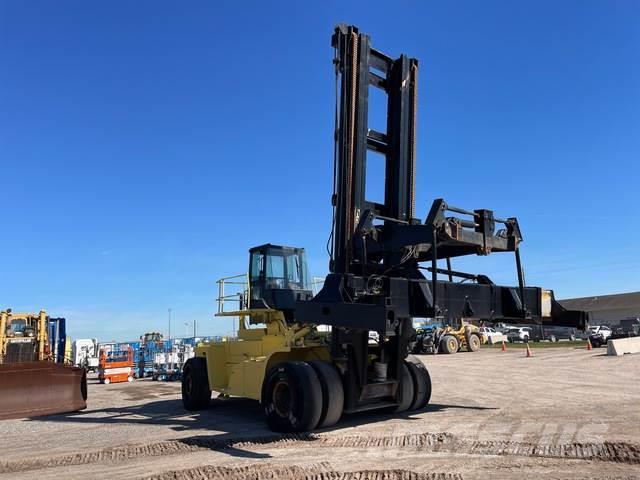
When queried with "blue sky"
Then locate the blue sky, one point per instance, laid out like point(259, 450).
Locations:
point(145, 146)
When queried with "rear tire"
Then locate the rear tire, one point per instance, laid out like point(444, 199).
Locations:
point(473, 342)
point(332, 393)
point(449, 344)
point(292, 397)
point(196, 394)
point(421, 383)
point(406, 389)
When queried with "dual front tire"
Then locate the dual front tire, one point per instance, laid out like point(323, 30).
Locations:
point(301, 396)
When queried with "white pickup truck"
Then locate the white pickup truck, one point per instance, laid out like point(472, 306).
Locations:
point(603, 331)
point(598, 335)
point(491, 335)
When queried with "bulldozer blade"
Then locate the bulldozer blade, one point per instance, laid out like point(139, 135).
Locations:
point(32, 389)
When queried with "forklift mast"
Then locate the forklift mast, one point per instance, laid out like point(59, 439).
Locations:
point(359, 67)
point(376, 280)
point(377, 249)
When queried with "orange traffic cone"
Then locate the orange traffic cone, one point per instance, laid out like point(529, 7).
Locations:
point(529, 352)
point(589, 346)
point(504, 347)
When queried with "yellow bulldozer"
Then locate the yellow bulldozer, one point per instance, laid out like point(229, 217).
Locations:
point(35, 378)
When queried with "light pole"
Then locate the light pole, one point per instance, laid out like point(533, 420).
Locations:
point(169, 324)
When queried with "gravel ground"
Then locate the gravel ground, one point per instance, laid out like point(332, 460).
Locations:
point(565, 413)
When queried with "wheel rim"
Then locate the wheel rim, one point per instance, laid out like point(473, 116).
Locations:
point(281, 399)
point(452, 344)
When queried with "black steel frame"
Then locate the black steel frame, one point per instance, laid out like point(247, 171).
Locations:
point(376, 280)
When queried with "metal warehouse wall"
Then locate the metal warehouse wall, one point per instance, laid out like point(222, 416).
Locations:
point(607, 309)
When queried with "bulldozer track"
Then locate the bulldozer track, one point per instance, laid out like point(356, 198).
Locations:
point(619, 452)
point(310, 472)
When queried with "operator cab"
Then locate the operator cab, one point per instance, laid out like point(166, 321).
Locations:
point(278, 277)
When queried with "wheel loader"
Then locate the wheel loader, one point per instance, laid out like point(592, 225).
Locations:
point(385, 269)
point(466, 337)
point(448, 339)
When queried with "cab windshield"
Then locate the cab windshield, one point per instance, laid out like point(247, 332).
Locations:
point(17, 327)
point(280, 268)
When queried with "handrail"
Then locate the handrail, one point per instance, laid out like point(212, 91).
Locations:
point(241, 297)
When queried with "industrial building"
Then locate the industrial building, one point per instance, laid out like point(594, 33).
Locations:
point(607, 309)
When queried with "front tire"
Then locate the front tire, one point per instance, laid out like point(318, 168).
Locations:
point(449, 344)
point(292, 397)
point(406, 391)
point(421, 383)
point(196, 393)
point(332, 393)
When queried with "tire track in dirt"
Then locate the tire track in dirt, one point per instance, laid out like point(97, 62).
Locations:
point(619, 452)
point(310, 472)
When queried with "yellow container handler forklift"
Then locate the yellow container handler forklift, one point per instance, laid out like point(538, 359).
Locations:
point(305, 379)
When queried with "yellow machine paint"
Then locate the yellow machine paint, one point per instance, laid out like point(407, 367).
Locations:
point(468, 337)
point(238, 367)
point(32, 331)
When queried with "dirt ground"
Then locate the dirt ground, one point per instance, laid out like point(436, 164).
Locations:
point(565, 413)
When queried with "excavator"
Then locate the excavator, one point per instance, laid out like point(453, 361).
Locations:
point(35, 379)
point(387, 266)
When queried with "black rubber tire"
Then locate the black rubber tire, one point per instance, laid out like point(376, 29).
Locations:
point(553, 339)
point(196, 394)
point(332, 393)
point(405, 389)
point(292, 397)
point(473, 342)
point(449, 344)
point(421, 383)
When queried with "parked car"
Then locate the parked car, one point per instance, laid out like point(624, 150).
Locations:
point(599, 335)
point(502, 328)
point(629, 327)
point(603, 334)
point(602, 330)
point(491, 335)
point(553, 334)
point(519, 334)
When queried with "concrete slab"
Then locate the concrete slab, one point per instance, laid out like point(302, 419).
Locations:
point(620, 346)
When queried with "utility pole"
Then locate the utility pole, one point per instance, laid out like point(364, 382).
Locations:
point(194, 329)
point(169, 324)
